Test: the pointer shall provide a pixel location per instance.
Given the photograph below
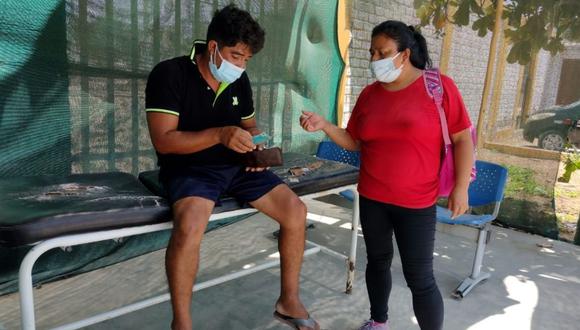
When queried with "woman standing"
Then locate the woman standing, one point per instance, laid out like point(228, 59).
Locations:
point(396, 127)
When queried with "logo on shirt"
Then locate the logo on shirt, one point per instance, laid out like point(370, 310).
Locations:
point(235, 100)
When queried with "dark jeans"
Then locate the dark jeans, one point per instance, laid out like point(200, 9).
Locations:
point(415, 234)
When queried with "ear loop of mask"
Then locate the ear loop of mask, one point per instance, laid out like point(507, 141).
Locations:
point(214, 57)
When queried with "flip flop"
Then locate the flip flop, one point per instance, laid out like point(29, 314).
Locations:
point(296, 323)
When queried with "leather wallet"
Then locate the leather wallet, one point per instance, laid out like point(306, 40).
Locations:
point(263, 158)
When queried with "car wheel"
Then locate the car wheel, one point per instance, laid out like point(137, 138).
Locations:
point(552, 140)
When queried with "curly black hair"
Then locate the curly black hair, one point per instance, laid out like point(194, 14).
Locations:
point(231, 25)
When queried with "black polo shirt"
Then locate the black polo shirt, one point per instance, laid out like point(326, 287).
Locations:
point(176, 87)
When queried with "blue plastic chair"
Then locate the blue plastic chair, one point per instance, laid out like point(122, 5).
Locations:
point(331, 151)
point(487, 189)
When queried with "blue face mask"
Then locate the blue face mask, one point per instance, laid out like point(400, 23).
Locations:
point(385, 71)
point(227, 72)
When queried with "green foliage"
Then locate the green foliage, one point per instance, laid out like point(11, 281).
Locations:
point(533, 24)
point(461, 16)
point(521, 182)
point(571, 164)
point(432, 12)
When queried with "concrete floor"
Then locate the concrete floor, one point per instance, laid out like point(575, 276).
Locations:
point(531, 287)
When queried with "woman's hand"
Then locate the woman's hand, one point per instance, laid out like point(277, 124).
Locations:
point(458, 202)
point(312, 122)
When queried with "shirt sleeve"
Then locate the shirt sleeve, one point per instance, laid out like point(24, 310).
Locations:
point(162, 93)
point(248, 111)
point(352, 126)
point(455, 111)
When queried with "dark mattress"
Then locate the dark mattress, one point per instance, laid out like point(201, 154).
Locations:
point(33, 209)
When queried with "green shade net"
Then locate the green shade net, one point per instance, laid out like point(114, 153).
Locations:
point(35, 123)
point(72, 82)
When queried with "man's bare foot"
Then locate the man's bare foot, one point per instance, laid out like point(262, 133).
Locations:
point(294, 314)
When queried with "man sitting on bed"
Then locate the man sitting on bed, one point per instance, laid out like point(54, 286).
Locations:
point(201, 119)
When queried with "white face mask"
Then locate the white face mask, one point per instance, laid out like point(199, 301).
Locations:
point(227, 72)
point(384, 70)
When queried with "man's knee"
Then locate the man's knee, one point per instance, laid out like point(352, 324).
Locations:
point(292, 214)
point(191, 216)
point(296, 209)
point(299, 208)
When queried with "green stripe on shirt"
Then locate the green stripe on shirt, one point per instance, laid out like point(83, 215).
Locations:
point(162, 111)
point(250, 116)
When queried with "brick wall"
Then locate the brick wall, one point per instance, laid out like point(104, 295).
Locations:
point(467, 64)
point(508, 94)
point(365, 15)
point(541, 78)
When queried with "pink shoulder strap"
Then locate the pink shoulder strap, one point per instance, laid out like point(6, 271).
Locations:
point(434, 87)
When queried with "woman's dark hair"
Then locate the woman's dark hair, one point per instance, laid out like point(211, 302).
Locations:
point(406, 37)
point(231, 25)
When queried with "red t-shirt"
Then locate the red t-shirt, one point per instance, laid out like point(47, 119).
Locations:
point(401, 141)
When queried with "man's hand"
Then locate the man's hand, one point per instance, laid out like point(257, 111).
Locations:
point(458, 202)
point(236, 138)
point(312, 122)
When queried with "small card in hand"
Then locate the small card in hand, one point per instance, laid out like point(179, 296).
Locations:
point(263, 158)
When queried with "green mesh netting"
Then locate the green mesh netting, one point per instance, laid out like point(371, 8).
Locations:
point(35, 120)
point(72, 82)
point(73, 75)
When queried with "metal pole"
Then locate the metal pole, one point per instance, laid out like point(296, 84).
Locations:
point(164, 297)
point(25, 273)
point(351, 263)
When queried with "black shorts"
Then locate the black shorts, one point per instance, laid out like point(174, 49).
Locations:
point(213, 181)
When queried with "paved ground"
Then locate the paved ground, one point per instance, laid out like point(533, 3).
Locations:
point(530, 288)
